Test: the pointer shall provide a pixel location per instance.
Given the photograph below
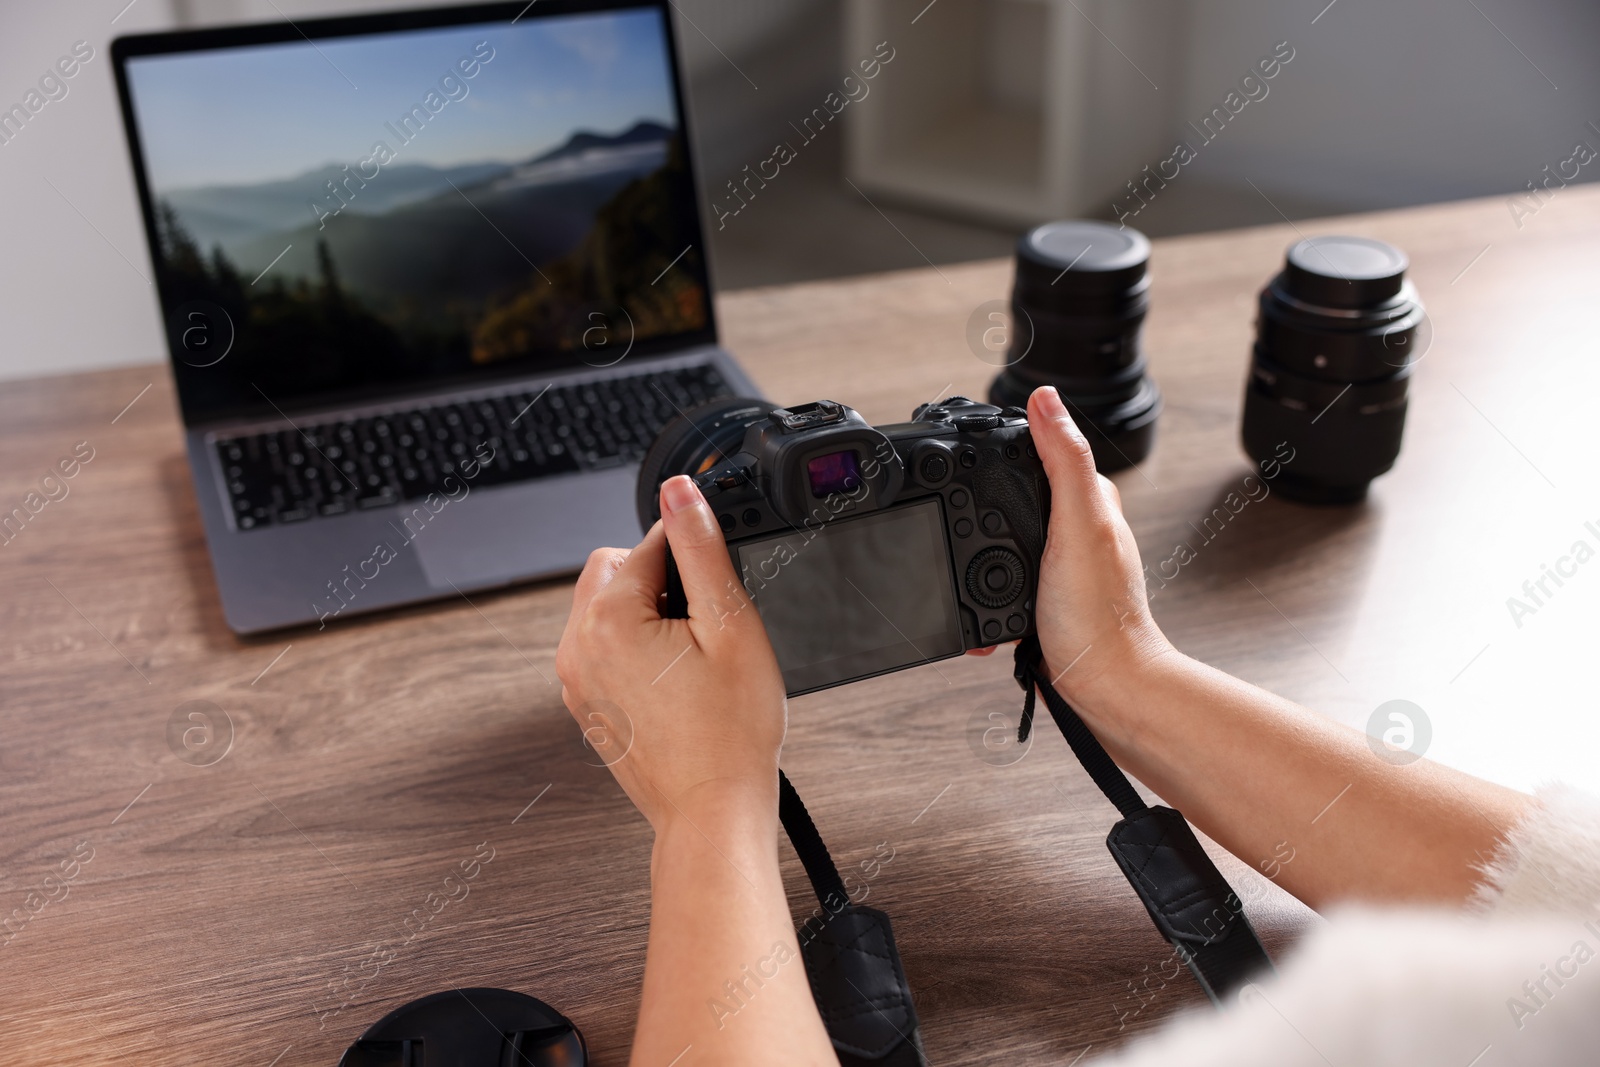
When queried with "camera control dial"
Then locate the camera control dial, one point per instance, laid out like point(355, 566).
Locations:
point(971, 423)
point(995, 577)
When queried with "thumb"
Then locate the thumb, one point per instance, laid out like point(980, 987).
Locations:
point(1076, 495)
point(709, 582)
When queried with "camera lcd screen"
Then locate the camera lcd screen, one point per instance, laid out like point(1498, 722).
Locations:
point(857, 597)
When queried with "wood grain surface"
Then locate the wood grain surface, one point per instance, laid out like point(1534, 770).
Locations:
point(265, 908)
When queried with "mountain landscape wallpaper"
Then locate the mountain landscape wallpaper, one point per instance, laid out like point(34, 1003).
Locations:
point(460, 251)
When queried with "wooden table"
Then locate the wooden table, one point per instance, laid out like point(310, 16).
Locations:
point(268, 904)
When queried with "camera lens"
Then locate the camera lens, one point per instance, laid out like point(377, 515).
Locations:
point(1334, 350)
point(1076, 310)
point(692, 442)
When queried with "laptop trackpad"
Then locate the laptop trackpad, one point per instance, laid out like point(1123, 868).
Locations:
point(530, 530)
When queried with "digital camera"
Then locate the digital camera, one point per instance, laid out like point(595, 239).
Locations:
point(866, 549)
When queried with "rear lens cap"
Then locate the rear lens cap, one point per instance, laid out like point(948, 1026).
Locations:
point(1345, 272)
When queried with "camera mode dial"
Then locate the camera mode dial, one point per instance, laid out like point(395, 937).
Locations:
point(995, 577)
point(974, 423)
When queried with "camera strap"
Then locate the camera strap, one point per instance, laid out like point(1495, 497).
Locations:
point(854, 967)
point(850, 957)
point(1190, 902)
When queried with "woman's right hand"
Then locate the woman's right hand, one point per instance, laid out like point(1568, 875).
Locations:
point(688, 713)
point(1094, 620)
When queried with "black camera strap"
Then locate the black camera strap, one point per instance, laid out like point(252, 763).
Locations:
point(1190, 902)
point(854, 968)
point(851, 960)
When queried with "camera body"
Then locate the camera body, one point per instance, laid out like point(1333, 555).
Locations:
point(868, 549)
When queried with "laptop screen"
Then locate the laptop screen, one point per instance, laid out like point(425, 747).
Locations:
point(337, 217)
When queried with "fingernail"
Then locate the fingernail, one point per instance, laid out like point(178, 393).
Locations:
point(679, 492)
point(1050, 403)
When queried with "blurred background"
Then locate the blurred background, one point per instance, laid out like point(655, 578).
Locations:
point(988, 115)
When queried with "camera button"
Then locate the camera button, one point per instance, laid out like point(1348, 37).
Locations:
point(963, 527)
point(969, 457)
point(934, 468)
point(1016, 623)
point(991, 629)
point(751, 517)
point(726, 522)
point(995, 578)
point(958, 498)
point(992, 522)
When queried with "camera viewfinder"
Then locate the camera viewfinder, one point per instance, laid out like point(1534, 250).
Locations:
point(837, 472)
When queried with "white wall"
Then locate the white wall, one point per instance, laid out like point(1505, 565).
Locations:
point(1392, 103)
point(69, 300)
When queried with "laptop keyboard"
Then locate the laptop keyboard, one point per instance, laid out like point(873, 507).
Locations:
point(331, 468)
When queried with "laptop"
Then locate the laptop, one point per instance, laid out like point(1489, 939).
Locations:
point(432, 281)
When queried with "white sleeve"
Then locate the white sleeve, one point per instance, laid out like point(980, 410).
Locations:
point(1404, 989)
point(1550, 862)
point(1518, 982)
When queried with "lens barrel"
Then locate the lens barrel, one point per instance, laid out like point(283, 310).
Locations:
point(1336, 341)
point(691, 443)
point(1077, 307)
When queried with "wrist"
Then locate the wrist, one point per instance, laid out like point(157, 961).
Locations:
point(1124, 684)
point(727, 814)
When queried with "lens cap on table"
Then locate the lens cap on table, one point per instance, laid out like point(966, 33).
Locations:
point(470, 1028)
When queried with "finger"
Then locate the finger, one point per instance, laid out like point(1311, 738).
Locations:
point(1109, 490)
point(642, 577)
point(709, 582)
point(1076, 499)
point(986, 650)
point(597, 573)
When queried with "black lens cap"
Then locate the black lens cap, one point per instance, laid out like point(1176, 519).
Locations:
point(1080, 256)
point(470, 1028)
point(1345, 272)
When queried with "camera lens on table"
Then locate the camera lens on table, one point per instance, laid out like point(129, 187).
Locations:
point(1336, 341)
point(1077, 307)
